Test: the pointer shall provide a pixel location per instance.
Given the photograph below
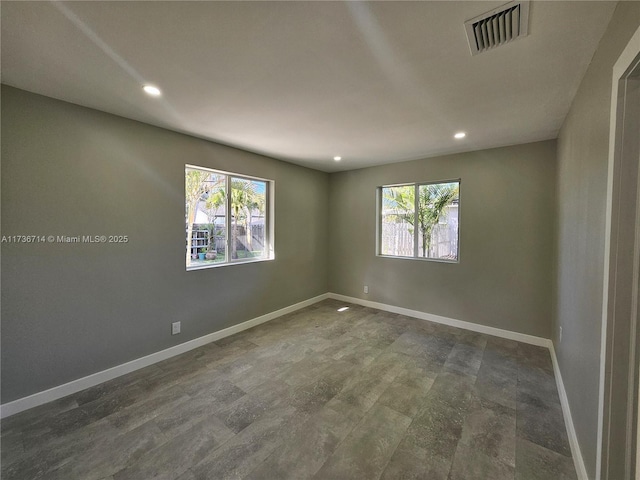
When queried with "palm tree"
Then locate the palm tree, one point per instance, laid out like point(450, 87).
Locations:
point(401, 201)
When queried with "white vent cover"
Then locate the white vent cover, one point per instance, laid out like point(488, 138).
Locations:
point(497, 27)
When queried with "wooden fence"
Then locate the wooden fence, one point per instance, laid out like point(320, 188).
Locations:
point(398, 239)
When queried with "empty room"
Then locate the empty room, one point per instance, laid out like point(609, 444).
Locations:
point(318, 239)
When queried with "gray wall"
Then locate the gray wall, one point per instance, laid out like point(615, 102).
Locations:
point(69, 310)
point(507, 221)
point(583, 146)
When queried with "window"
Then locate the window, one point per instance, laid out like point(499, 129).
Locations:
point(419, 220)
point(224, 228)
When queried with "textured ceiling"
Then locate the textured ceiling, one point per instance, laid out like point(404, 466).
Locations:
point(303, 81)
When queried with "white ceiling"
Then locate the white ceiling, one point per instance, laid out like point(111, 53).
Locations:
point(303, 81)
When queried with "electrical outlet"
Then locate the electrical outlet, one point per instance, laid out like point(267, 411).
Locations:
point(175, 328)
point(560, 334)
point(366, 289)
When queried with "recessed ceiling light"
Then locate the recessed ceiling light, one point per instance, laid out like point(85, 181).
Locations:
point(337, 159)
point(151, 90)
point(460, 135)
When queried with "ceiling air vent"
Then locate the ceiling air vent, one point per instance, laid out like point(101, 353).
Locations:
point(498, 26)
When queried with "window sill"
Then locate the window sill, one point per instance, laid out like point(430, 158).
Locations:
point(228, 264)
point(421, 259)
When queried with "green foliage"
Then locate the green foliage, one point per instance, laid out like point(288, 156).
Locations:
point(401, 201)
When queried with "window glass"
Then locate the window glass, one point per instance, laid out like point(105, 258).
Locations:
point(397, 218)
point(248, 207)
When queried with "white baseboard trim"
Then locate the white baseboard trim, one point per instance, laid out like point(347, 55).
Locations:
point(578, 460)
point(475, 327)
point(40, 398)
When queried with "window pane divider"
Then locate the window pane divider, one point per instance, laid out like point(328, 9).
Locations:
point(416, 220)
point(228, 222)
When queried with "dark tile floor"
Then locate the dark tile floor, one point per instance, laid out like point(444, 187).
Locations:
point(359, 394)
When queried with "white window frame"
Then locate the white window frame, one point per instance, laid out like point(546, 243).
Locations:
point(416, 233)
point(268, 219)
